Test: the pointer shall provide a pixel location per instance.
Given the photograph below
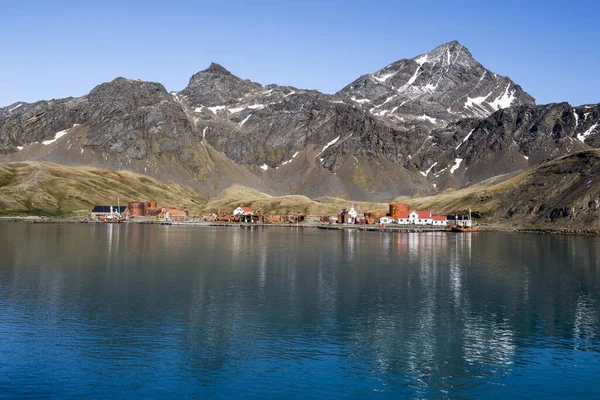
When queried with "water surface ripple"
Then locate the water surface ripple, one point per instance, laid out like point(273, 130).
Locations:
point(96, 311)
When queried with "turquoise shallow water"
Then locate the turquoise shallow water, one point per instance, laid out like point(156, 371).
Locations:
point(134, 311)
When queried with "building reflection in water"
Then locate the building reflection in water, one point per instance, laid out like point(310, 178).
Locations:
point(427, 312)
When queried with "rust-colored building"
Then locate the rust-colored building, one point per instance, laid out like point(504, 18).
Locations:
point(172, 214)
point(397, 209)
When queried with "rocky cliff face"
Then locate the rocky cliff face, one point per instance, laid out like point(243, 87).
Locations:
point(511, 139)
point(24, 123)
point(267, 125)
point(136, 118)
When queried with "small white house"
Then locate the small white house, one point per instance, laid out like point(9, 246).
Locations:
point(420, 218)
point(242, 211)
point(387, 220)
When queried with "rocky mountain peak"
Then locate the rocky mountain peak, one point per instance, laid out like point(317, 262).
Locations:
point(127, 94)
point(434, 88)
point(215, 68)
point(216, 86)
point(447, 55)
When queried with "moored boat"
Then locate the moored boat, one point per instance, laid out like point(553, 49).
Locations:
point(458, 228)
point(466, 225)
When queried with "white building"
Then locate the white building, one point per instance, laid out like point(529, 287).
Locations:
point(420, 218)
point(242, 211)
point(387, 220)
point(439, 220)
point(352, 213)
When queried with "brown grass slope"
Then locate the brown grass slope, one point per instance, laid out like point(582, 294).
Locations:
point(238, 195)
point(561, 193)
point(44, 187)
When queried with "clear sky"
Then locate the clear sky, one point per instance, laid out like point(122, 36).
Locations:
point(54, 49)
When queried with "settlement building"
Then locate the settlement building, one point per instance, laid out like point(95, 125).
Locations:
point(352, 213)
point(387, 220)
point(439, 220)
point(172, 214)
point(245, 211)
point(420, 217)
point(100, 212)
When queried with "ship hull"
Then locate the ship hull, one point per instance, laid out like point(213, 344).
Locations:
point(465, 229)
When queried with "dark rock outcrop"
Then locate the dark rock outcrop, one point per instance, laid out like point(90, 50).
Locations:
point(129, 116)
point(511, 139)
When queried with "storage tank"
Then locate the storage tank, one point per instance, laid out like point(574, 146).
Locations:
point(395, 210)
point(378, 214)
point(137, 208)
point(153, 204)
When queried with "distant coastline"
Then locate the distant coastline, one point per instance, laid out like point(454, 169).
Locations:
point(486, 227)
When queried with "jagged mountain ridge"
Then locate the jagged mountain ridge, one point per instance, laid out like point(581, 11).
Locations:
point(441, 86)
point(136, 125)
point(222, 129)
point(511, 139)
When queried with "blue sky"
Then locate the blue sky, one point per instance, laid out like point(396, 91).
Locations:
point(65, 48)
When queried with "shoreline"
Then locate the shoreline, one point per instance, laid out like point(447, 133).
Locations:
point(336, 227)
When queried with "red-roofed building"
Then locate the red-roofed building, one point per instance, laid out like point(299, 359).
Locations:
point(439, 220)
point(415, 218)
point(420, 217)
point(243, 211)
point(404, 217)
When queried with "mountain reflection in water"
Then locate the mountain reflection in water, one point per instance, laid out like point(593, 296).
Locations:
point(168, 311)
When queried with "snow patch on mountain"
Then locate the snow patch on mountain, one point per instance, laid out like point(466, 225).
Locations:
point(421, 60)
point(503, 101)
point(465, 139)
point(15, 107)
point(476, 101)
point(456, 165)
point(290, 160)
point(334, 141)
point(236, 109)
point(245, 120)
point(582, 136)
point(57, 136)
point(360, 101)
point(385, 77)
point(413, 78)
point(429, 170)
point(216, 109)
point(427, 118)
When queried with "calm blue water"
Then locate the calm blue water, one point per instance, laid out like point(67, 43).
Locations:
point(137, 311)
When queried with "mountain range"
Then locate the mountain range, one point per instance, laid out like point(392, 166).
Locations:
point(418, 126)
